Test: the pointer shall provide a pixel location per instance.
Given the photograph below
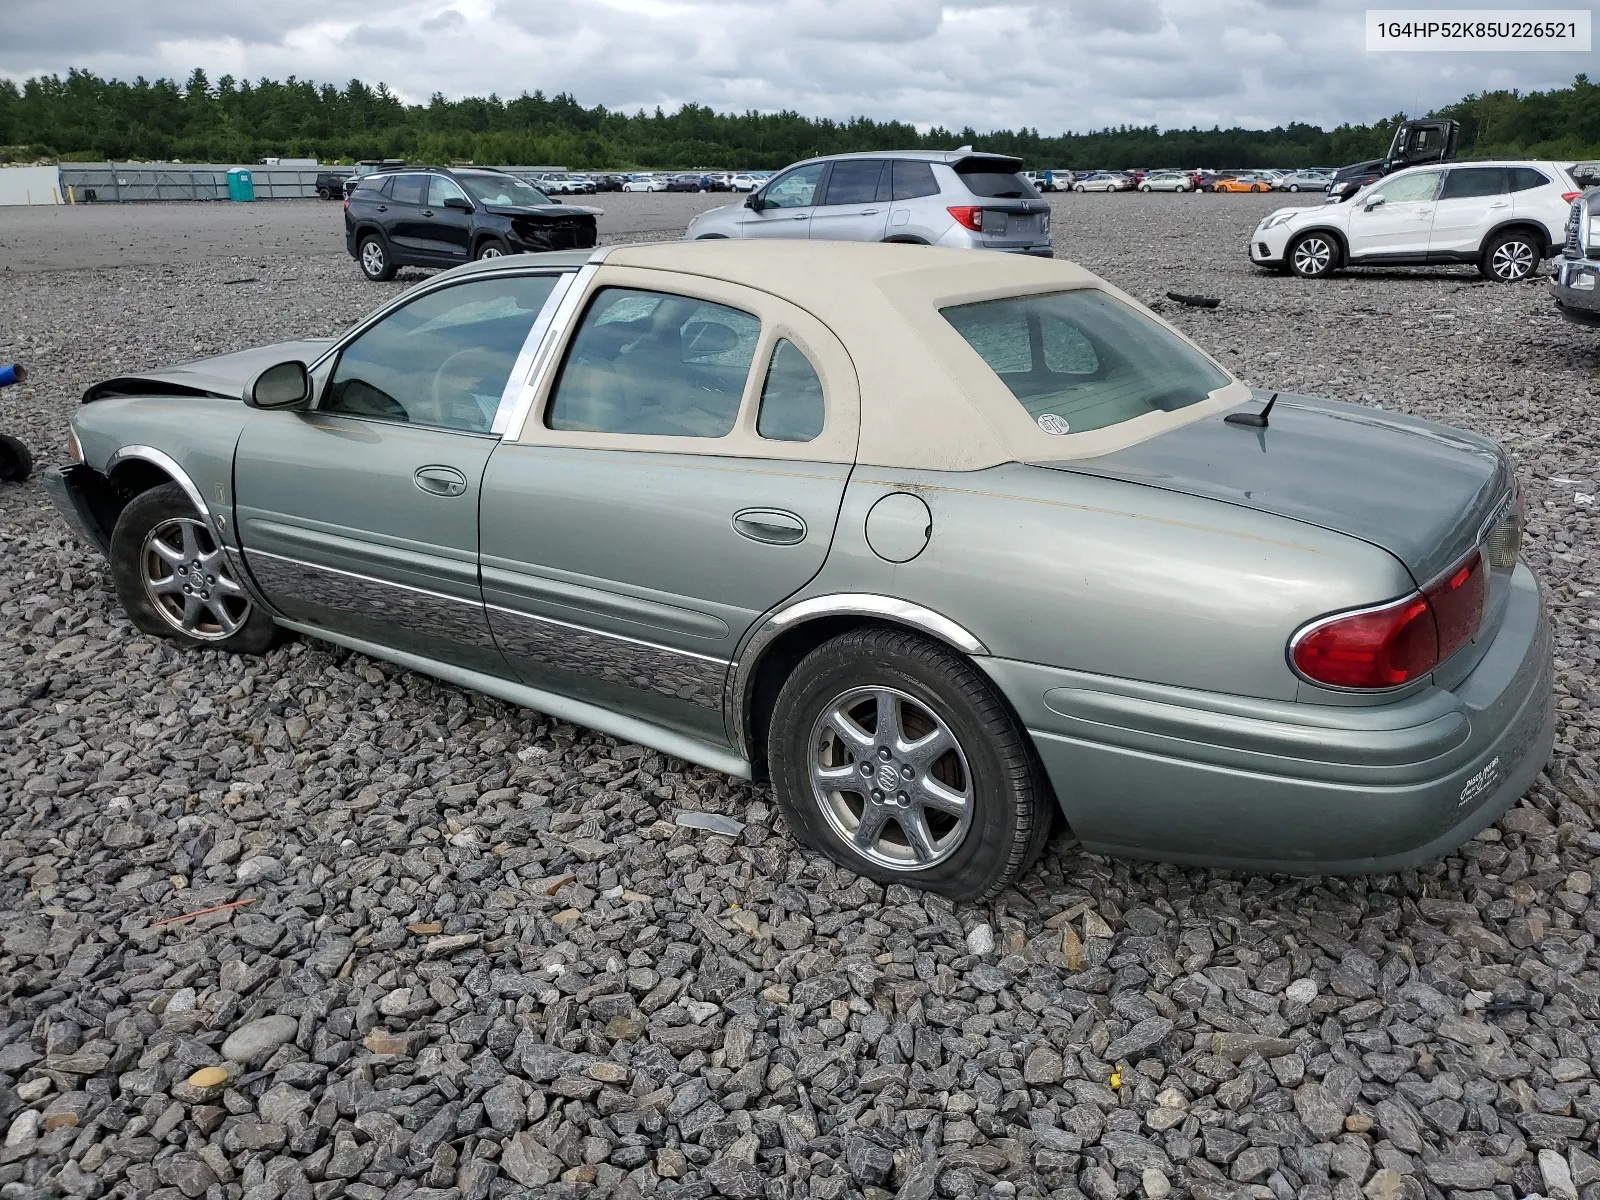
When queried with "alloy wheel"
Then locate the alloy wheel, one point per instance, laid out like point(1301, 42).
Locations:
point(491, 251)
point(186, 575)
point(891, 778)
point(372, 258)
point(1511, 261)
point(1312, 255)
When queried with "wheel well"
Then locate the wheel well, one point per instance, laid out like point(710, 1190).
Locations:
point(907, 240)
point(712, 237)
point(108, 495)
point(1333, 234)
point(363, 230)
point(1533, 227)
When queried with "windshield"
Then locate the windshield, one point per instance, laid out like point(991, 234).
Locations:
point(502, 189)
point(1083, 360)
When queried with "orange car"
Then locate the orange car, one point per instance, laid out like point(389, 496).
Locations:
point(1241, 183)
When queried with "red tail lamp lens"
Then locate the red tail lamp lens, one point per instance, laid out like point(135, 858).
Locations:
point(1457, 600)
point(1397, 642)
point(1569, 197)
point(968, 215)
point(1375, 648)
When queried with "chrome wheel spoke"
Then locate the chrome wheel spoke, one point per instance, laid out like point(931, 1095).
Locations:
point(218, 608)
point(926, 751)
point(171, 585)
point(187, 577)
point(935, 795)
point(873, 819)
point(226, 585)
point(914, 824)
point(831, 779)
point(889, 732)
point(171, 555)
point(856, 739)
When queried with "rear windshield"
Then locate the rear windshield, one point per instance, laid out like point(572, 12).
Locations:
point(1083, 360)
point(992, 177)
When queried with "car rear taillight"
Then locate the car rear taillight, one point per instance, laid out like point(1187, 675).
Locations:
point(968, 215)
point(1569, 197)
point(1395, 643)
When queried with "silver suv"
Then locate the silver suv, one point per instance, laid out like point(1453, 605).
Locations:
point(935, 198)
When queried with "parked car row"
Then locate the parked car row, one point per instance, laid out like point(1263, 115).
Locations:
point(1504, 217)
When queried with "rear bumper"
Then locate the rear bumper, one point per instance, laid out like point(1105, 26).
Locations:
point(1155, 772)
point(1575, 287)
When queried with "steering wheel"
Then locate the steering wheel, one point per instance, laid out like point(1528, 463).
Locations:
point(449, 394)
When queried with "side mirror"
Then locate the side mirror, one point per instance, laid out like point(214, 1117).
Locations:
point(754, 202)
point(285, 385)
point(706, 339)
point(460, 202)
point(1374, 202)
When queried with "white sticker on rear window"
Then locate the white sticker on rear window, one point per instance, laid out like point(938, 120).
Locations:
point(1051, 423)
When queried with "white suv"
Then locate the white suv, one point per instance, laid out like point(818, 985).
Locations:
point(1504, 217)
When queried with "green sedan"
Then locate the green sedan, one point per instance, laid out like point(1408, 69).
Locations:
point(940, 543)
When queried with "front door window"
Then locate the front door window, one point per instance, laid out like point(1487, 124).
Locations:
point(797, 189)
point(444, 359)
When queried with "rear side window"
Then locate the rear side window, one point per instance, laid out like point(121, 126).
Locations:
point(913, 179)
point(1523, 178)
point(854, 181)
point(1464, 182)
point(791, 399)
point(408, 189)
point(991, 177)
point(654, 363)
point(1081, 360)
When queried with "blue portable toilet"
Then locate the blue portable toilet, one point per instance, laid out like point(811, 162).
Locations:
point(240, 185)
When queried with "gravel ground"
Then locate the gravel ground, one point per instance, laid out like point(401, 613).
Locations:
point(473, 956)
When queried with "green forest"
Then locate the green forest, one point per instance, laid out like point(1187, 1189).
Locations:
point(85, 118)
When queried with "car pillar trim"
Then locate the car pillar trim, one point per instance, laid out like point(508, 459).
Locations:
point(838, 604)
point(529, 353)
point(561, 319)
point(605, 720)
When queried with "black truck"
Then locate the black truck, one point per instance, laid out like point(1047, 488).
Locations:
point(1415, 143)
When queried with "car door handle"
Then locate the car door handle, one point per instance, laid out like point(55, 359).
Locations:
point(1500, 204)
point(772, 525)
point(868, 212)
point(383, 208)
point(427, 212)
point(440, 481)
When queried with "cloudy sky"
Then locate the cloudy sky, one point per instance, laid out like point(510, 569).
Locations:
point(1050, 64)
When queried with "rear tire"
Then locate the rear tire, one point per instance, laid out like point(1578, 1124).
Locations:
point(859, 776)
point(1312, 255)
point(174, 581)
point(373, 255)
point(1293, 187)
point(16, 460)
point(1511, 257)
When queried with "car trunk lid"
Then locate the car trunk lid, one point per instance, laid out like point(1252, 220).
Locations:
point(1424, 492)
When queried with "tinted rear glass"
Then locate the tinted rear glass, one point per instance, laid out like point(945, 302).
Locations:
point(1523, 178)
point(408, 189)
point(991, 177)
point(1082, 360)
point(913, 179)
point(1465, 182)
point(854, 181)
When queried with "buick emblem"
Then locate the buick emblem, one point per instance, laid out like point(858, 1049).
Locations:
point(888, 777)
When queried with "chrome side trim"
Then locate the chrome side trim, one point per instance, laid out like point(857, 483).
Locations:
point(433, 614)
point(561, 321)
point(840, 604)
point(609, 657)
point(168, 464)
point(530, 350)
point(717, 758)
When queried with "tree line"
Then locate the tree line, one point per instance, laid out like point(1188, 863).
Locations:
point(83, 117)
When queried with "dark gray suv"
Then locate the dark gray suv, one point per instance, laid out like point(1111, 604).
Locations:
point(938, 198)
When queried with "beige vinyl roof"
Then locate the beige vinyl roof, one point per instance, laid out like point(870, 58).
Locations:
point(928, 400)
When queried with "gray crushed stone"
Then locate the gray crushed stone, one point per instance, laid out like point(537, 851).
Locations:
point(472, 954)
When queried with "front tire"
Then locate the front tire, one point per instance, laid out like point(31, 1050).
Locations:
point(1511, 257)
point(16, 460)
point(174, 581)
point(897, 758)
point(492, 248)
point(1144, 187)
point(1312, 255)
point(373, 255)
point(1080, 189)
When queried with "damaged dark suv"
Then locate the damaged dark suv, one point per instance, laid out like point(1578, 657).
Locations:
point(433, 217)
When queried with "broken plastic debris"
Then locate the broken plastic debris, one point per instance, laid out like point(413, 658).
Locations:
point(711, 822)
